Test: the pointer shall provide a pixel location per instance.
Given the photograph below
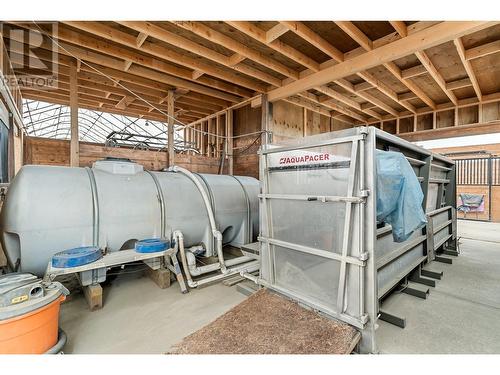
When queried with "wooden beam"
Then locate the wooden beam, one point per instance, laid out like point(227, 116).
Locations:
point(151, 48)
point(123, 103)
point(332, 105)
point(208, 53)
point(359, 37)
point(310, 36)
point(356, 34)
point(414, 71)
point(452, 131)
point(396, 72)
point(367, 96)
point(232, 44)
point(117, 65)
point(275, 32)
point(74, 155)
point(426, 38)
point(258, 34)
point(483, 50)
point(141, 38)
point(197, 74)
point(459, 84)
point(322, 110)
point(343, 99)
point(236, 59)
point(229, 140)
point(426, 61)
point(468, 67)
point(400, 27)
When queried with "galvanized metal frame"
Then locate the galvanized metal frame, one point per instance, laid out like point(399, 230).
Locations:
point(431, 169)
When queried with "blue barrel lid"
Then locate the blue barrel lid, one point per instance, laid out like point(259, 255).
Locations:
point(151, 245)
point(75, 257)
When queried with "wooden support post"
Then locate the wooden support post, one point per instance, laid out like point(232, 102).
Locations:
point(480, 113)
point(93, 295)
point(217, 139)
point(415, 123)
point(161, 277)
point(434, 120)
point(397, 125)
point(304, 134)
point(74, 148)
point(170, 130)
point(265, 120)
point(210, 130)
point(229, 134)
point(455, 120)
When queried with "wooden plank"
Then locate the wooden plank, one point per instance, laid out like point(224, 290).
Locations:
point(459, 84)
point(73, 105)
point(310, 36)
point(483, 50)
point(468, 67)
point(400, 27)
point(427, 38)
point(426, 61)
point(275, 32)
point(230, 43)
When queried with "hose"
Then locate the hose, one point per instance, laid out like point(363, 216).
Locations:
point(217, 235)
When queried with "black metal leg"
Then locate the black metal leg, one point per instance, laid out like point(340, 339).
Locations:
point(420, 280)
point(443, 260)
point(432, 274)
point(392, 319)
point(416, 292)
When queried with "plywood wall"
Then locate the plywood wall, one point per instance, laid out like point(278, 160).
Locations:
point(56, 152)
point(288, 121)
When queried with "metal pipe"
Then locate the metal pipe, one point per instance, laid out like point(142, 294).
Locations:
point(217, 235)
point(197, 271)
point(179, 245)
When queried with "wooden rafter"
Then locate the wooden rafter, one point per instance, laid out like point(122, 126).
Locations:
point(141, 70)
point(427, 38)
point(275, 32)
point(483, 50)
point(219, 38)
point(468, 67)
point(359, 37)
point(426, 61)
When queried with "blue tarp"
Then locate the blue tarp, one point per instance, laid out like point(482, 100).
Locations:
point(399, 195)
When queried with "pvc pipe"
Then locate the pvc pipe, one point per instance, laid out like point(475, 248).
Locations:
point(197, 271)
point(217, 235)
point(179, 244)
point(249, 267)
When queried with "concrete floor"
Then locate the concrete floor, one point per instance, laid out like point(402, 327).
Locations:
point(461, 314)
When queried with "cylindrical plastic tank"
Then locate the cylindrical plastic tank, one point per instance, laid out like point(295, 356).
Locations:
point(49, 209)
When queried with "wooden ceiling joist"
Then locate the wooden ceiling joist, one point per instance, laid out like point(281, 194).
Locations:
point(482, 50)
point(468, 67)
point(162, 52)
point(235, 46)
point(427, 38)
point(427, 63)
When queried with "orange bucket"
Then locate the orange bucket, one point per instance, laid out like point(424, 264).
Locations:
point(32, 333)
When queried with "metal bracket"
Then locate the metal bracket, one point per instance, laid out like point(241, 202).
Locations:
point(420, 280)
point(392, 319)
point(443, 260)
point(432, 274)
point(364, 193)
point(364, 256)
point(416, 292)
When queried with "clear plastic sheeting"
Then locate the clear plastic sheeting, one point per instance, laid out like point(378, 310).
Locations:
point(399, 195)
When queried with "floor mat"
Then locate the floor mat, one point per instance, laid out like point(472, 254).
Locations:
point(267, 323)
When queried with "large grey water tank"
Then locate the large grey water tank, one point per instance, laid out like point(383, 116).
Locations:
point(114, 203)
